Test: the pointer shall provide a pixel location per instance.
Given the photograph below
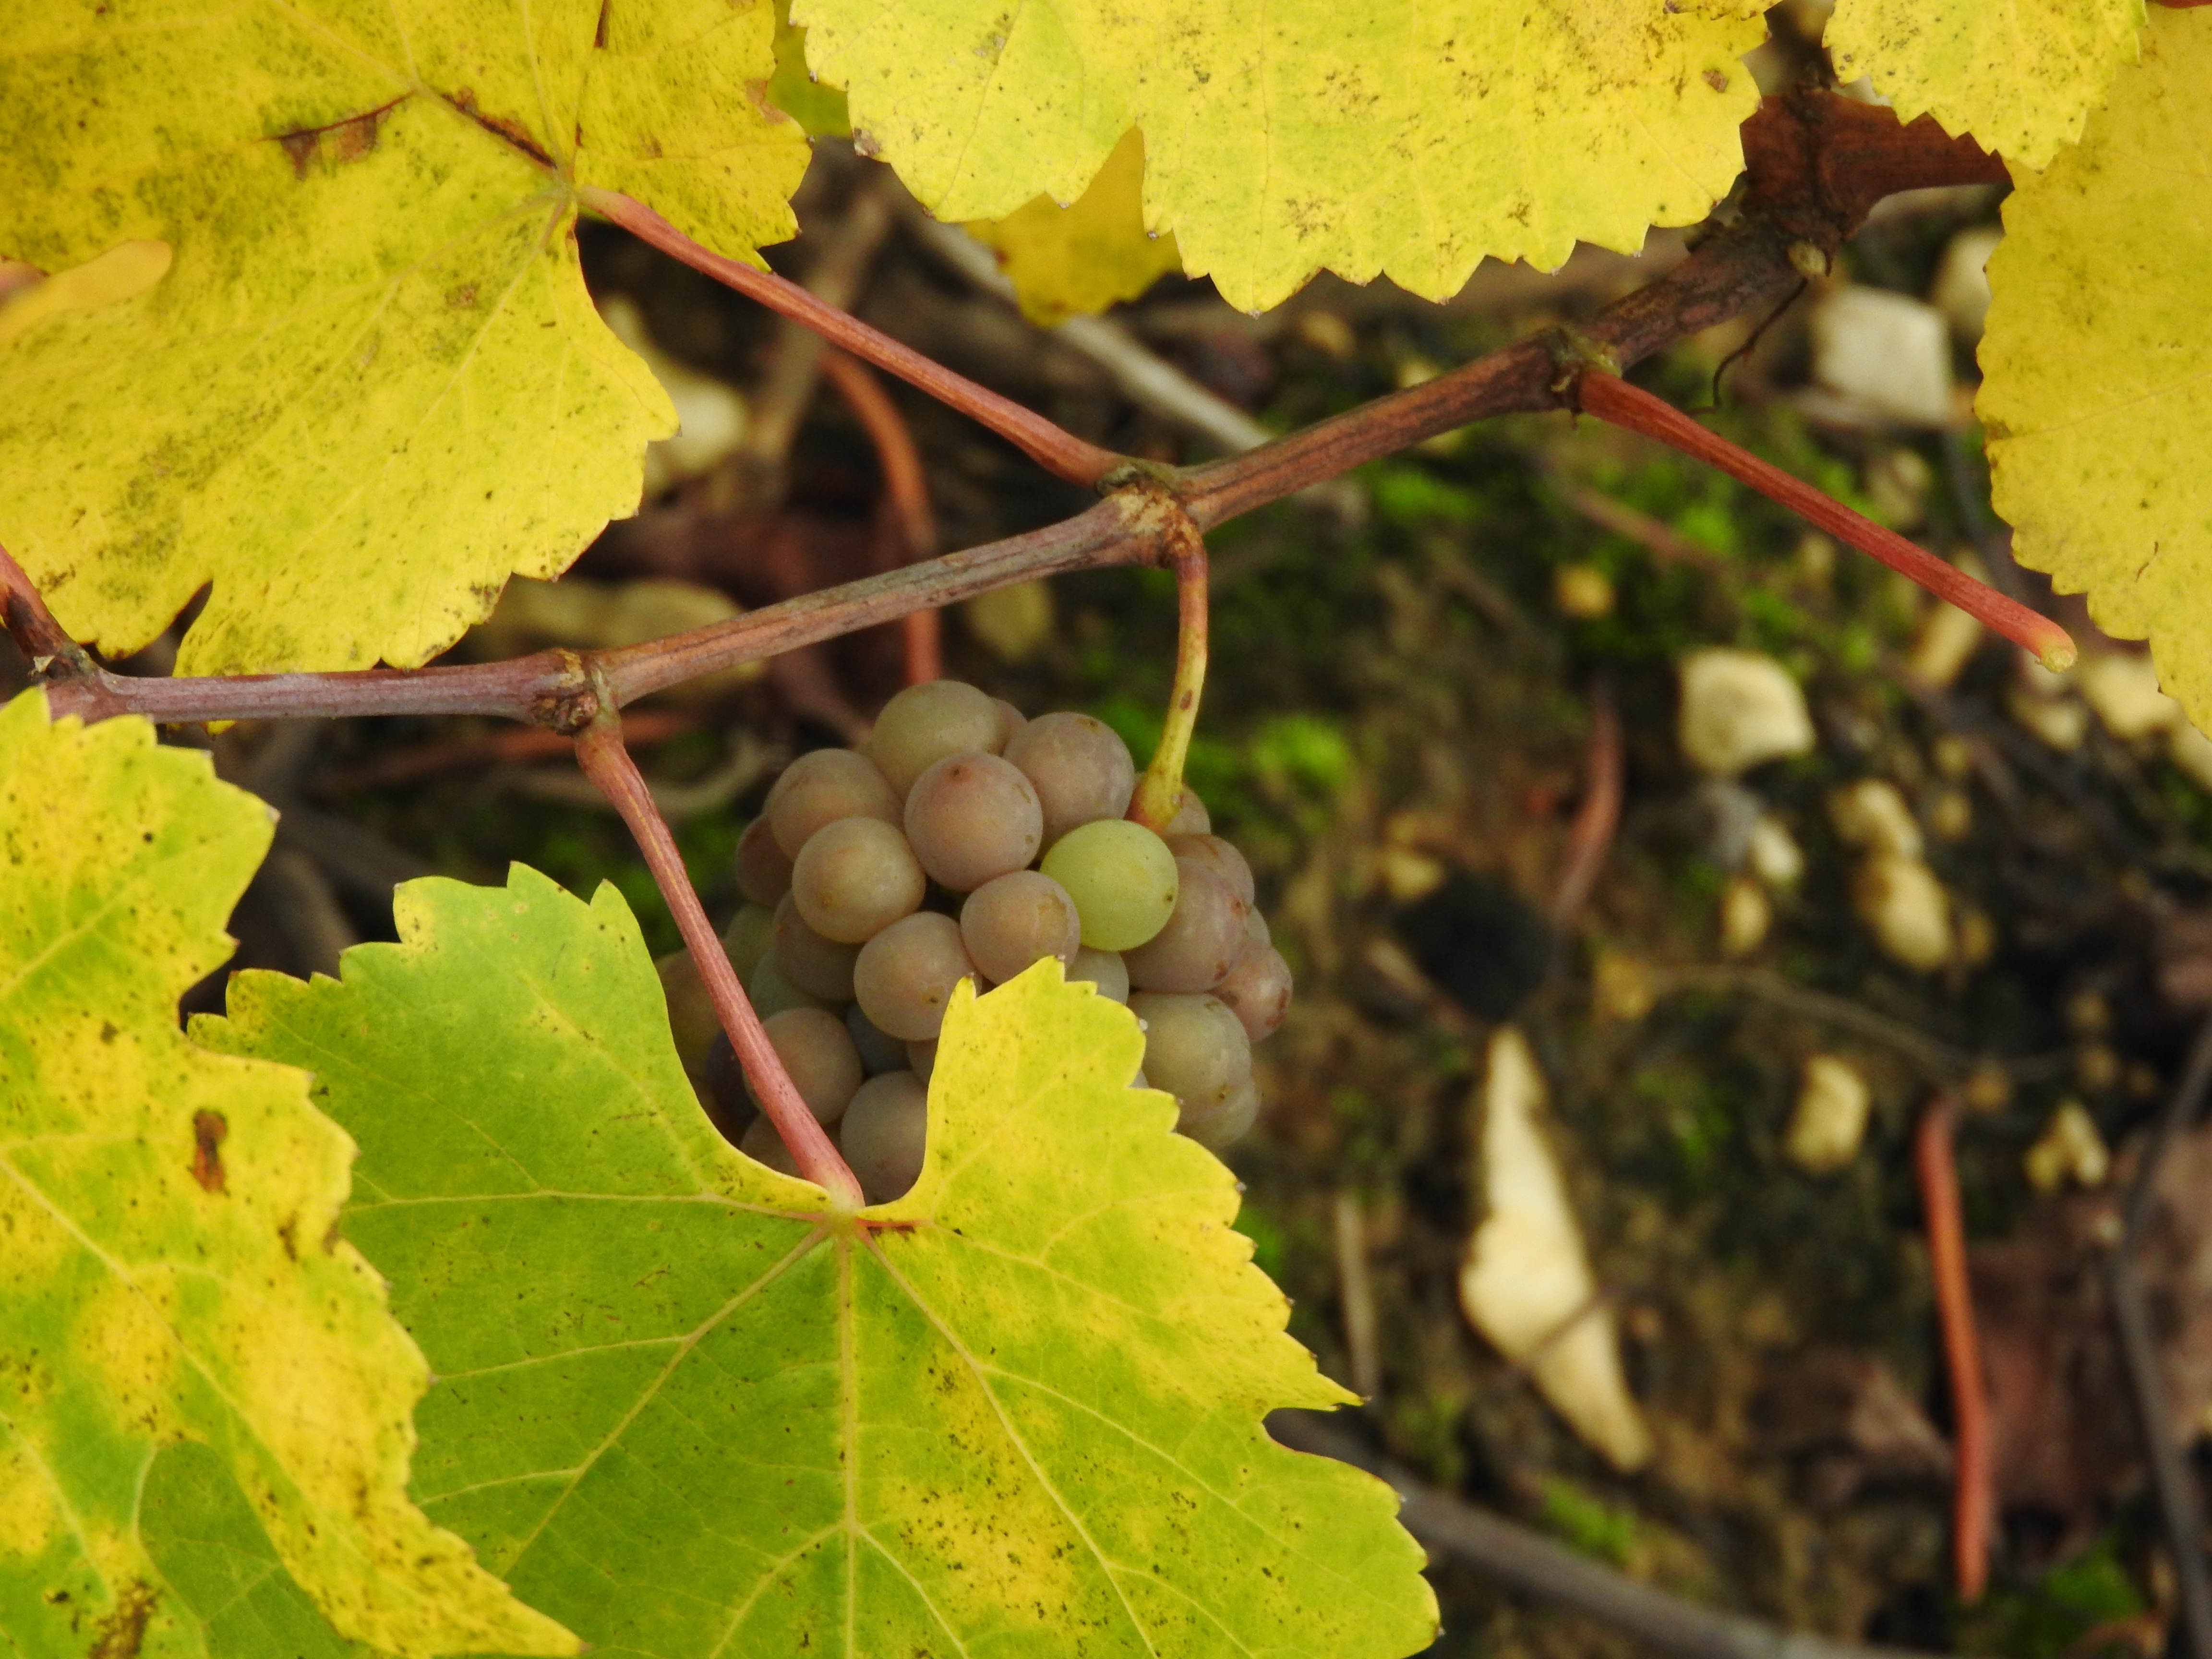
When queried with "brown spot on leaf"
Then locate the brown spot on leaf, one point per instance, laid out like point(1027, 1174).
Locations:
point(121, 1634)
point(349, 139)
point(300, 146)
point(504, 126)
point(209, 1130)
point(1717, 80)
point(461, 298)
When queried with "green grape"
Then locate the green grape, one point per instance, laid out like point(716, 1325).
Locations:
point(761, 1143)
point(925, 723)
point(771, 990)
point(1258, 989)
point(821, 787)
point(879, 1051)
point(691, 1018)
point(972, 817)
point(905, 975)
point(817, 1052)
point(1194, 1048)
point(1226, 1123)
point(855, 877)
point(1191, 817)
point(1122, 876)
point(820, 967)
point(750, 936)
point(1079, 767)
point(1103, 968)
point(763, 872)
point(1202, 939)
point(1017, 918)
point(729, 1104)
point(1218, 856)
point(883, 1134)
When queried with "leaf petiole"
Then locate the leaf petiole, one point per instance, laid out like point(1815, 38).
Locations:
point(1058, 451)
point(601, 752)
point(1159, 792)
point(1612, 398)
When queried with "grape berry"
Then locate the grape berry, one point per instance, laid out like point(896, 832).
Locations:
point(878, 880)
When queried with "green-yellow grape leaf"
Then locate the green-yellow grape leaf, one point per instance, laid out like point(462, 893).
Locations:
point(216, 1560)
point(1094, 253)
point(169, 1266)
point(2019, 77)
point(689, 1411)
point(1391, 139)
point(2098, 369)
point(370, 384)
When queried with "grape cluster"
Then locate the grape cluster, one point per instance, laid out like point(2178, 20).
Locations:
point(877, 878)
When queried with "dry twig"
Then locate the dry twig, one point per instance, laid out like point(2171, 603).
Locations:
point(1534, 1564)
point(1975, 1500)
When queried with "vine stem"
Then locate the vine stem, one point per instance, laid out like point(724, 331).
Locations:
point(1974, 1499)
point(1612, 398)
point(906, 481)
point(1058, 451)
point(606, 761)
point(1159, 792)
point(23, 612)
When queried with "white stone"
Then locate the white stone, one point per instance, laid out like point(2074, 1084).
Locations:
point(2069, 1149)
point(1746, 915)
point(1830, 1121)
point(1014, 624)
point(1774, 853)
point(2059, 723)
point(1739, 710)
point(2189, 750)
point(1871, 814)
point(1907, 910)
point(2121, 686)
point(1961, 289)
point(1889, 353)
point(710, 416)
point(1947, 640)
point(1527, 1285)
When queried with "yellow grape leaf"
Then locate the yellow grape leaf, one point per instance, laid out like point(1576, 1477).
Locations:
point(1078, 259)
point(2099, 370)
point(1389, 139)
point(170, 1268)
point(371, 384)
point(2020, 77)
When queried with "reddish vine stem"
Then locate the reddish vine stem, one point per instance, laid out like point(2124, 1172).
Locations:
point(1975, 1493)
point(1059, 452)
point(1612, 398)
point(1159, 792)
point(23, 612)
point(907, 484)
point(601, 752)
